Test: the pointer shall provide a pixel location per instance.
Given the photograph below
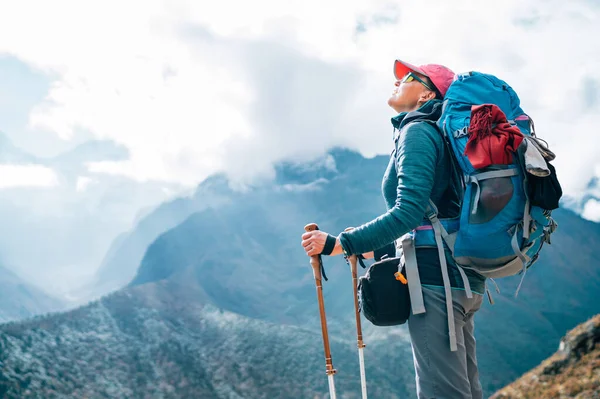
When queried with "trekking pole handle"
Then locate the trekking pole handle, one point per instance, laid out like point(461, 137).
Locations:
point(315, 262)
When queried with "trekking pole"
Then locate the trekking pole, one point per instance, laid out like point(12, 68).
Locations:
point(316, 263)
point(359, 338)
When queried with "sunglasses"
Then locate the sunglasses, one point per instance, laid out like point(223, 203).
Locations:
point(409, 77)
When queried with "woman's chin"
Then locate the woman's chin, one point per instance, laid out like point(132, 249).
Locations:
point(393, 102)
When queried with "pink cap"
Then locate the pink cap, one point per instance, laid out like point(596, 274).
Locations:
point(440, 76)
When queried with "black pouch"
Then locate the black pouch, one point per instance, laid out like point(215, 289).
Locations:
point(544, 192)
point(384, 300)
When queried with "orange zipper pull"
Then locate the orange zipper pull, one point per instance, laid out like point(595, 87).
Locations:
point(400, 278)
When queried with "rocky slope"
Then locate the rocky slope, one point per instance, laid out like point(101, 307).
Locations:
point(572, 372)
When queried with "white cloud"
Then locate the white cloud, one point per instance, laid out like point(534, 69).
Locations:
point(82, 183)
point(195, 87)
point(591, 210)
point(12, 176)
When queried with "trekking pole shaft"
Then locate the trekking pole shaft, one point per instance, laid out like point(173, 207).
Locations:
point(324, 332)
point(363, 378)
point(354, 270)
point(359, 337)
point(315, 262)
point(332, 393)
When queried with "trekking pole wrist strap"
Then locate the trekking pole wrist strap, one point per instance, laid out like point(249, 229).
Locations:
point(329, 245)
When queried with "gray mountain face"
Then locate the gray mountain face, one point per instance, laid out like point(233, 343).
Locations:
point(121, 263)
point(19, 300)
point(125, 254)
point(11, 154)
point(229, 292)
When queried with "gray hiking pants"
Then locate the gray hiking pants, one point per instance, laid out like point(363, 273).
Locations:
point(440, 373)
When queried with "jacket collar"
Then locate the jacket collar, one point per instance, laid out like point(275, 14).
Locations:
point(431, 110)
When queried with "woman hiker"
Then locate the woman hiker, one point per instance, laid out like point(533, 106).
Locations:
point(420, 169)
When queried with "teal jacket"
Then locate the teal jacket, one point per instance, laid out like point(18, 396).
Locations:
point(420, 168)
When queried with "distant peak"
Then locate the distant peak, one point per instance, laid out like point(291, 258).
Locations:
point(5, 140)
point(97, 150)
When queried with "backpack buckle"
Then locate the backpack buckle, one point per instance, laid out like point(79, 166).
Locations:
point(431, 212)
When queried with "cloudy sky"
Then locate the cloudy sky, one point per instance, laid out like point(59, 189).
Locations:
point(194, 87)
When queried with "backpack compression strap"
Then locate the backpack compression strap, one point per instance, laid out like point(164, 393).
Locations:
point(409, 259)
point(440, 232)
point(441, 235)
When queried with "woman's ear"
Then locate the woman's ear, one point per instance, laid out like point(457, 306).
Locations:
point(426, 96)
point(429, 95)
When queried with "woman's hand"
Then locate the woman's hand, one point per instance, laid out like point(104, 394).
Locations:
point(314, 242)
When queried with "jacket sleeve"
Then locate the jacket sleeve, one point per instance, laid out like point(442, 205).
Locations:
point(418, 150)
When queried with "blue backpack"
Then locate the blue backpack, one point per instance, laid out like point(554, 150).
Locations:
point(499, 232)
